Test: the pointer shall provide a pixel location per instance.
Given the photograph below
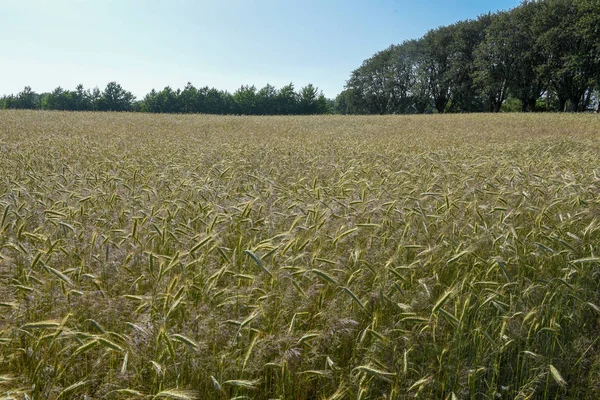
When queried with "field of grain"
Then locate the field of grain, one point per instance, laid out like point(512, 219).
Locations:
point(205, 257)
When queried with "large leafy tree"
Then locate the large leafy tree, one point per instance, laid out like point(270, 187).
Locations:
point(467, 35)
point(527, 84)
point(402, 79)
point(548, 47)
point(437, 44)
point(372, 86)
point(588, 28)
point(495, 62)
point(419, 79)
point(570, 59)
point(340, 105)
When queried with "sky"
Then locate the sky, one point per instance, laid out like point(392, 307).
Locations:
point(218, 43)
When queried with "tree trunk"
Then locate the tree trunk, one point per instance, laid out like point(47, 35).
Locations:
point(524, 105)
point(562, 103)
point(491, 104)
point(440, 104)
point(574, 104)
point(531, 103)
point(420, 106)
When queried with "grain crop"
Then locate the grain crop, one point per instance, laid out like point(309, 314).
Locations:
point(329, 257)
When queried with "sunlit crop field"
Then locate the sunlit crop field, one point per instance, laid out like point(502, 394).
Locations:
point(205, 257)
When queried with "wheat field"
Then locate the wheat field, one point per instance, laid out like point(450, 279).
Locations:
point(331, 257)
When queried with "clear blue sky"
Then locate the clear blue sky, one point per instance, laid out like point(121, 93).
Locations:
point(223, 44)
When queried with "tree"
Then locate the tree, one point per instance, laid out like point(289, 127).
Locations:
point(437, 45)
point(588, 28)
point(81, 99)
point(527, 84)
point(341, 103)
point(420, 88)
point(58, 99)
point(266, 100)
point(26, 99)
point(372, 85)
point(115, 98)
point(190, 100)
point(549, 47)
point(150, 103)
point(495, 60)
point(287, 100)
point(570, 56)
point(312, 101)
point(401, 74)
point(245, 100)
point(94, 97)
point(467, 35)
point(168, 100)
point(219, 102)
point(7, 102)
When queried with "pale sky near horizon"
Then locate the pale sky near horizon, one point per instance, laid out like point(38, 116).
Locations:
point(224, 44)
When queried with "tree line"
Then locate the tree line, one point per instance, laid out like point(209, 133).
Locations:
point(542, 55)
point(247, 100)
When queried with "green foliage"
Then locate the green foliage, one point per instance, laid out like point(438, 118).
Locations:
point(527, 84)
point(247, 100)
point(59, 99)
point(467, 35)
point(372, 85)
point(267, 100)
point(341, 105)
point(437, 44)
point(541, 48)
point(495, 61)
point(287, 100)
point(25, 100)
point(311, 101)
point(115, 98)
point(570, 58)
point(511, 104)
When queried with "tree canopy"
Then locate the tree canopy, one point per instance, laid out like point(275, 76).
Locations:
point(542, 50)
point(247, 100)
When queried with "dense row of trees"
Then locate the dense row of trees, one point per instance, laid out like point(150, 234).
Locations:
point(246, 100)
point(542, 55)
